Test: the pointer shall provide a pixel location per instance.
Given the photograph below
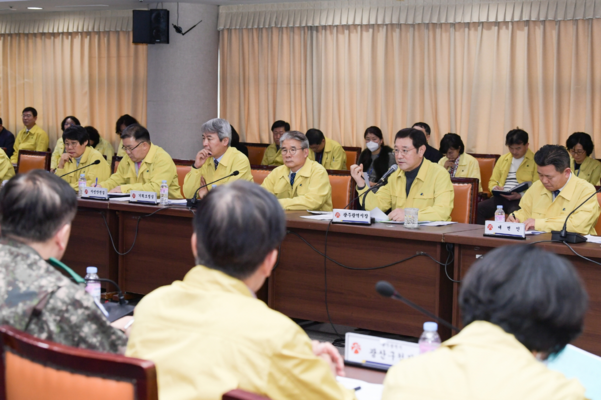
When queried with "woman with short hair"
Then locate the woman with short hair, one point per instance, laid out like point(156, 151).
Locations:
point(580, 146)
point(456, 161)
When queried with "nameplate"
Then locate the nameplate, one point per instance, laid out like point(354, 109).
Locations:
point(137, 196)
point(95, 193)
point(377, 352)
point(512, 230)
point(341, 216)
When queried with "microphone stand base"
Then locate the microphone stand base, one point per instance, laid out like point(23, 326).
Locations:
point(191, 203)
point(570, 237)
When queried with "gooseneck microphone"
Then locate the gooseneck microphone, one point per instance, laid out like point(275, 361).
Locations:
point(571, 237)
point(192, 202)
point(80, 168)
point(382, 182)
point(387, 290)
point(390, 171)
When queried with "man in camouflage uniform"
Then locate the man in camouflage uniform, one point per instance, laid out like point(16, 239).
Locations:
point(36, 210)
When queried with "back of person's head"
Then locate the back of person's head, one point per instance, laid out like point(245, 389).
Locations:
point(374, 130)
point(535, 295)
point(93, 134)
point(220, 126)
point(76, 132)
point(552, 154)
point(424, 126)
point(235, 137)
point(315, 136)
point(136, 131)
point(0, 121)
point(584, 139)
point(35, 205)
point(295, 135)
point(516, 137)
point(72, 118)
point(451, 141)
point(32, 110)
point(237, 225)
point(281, 124)
point(417, 137)
point(126, 120)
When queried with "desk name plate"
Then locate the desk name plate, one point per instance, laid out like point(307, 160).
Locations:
point(138, 196)
point(95, 193)
point(373, 351)
point(341, 216)
point(511, 230)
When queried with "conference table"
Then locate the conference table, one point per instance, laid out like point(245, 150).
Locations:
point(143, 247)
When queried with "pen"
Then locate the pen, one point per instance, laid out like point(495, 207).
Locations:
point(96, 184)
point(357, 388)
point(513, 215)
point(130, 323)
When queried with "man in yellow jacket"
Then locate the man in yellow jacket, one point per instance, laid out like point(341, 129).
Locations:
point(32, 137)
point(7, 170)
point(273, 153)
point(327, 152)
point(511, 169)
point(209, 334)
point(216, 160)
point(144, 167)
point(418, 183)
point(79, 154)
point(548, 202)
point(301, 183)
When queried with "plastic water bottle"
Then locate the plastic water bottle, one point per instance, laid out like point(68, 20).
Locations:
point(429, 340)
point(499, 214)
point(82, 185)
point(92, 283)
point(164, 200)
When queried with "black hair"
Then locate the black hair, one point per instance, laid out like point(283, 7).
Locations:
point(451, 141)
point(32, 110)
point(584, 139)
point(94, 136)
point(136, 131)
point(417, 137)
point(516, 137)
point(235, 141)
point(423, 125)
point(0, 121)
point(532, 294)
point(281, 124)
point(76, 132)
point(552, 154)
point(71, 118)
point(374, 130)
point(252, 213)
point(35, 205)
point(315, 136)
point(126, 120)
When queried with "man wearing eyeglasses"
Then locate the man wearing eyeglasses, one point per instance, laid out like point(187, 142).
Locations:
point(144, 167)
point(418, 183)
point(32, 137)
point(301, 183)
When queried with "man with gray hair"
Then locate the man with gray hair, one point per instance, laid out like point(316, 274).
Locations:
point(36, 210)
point(301, 183)
point(216, 160)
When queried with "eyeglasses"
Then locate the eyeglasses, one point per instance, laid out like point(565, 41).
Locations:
point(579, 152)
point(292, 151)
point(130, 149)
point(71, 144)
point(404, 151)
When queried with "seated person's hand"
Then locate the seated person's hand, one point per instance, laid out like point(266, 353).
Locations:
point(122, 322)
point(512, 196)
point(510, 218)
point(357, 174)
point(498, 188)
point(449, 164)
point(529, 224)
point(204, 191)
point(330, 354)
point(397, 215)
point(116, 190)
point(65, 157)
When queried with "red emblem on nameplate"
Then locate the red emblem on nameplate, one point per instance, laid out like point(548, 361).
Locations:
point(489, 227)
point(337, 215)
point(133, 195)
point(86, 191)
point(356, 348)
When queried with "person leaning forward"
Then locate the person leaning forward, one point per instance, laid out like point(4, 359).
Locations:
point(144, 167)
point(418, 183)
point(209, 334)
point(216, 160)
point(548, 202)
point(301, 183)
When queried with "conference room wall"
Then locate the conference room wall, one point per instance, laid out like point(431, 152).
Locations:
point(182, 80)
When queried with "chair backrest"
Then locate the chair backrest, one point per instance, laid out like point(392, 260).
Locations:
point(32, 368)
point(352, 155)
point(29, 160)
point(255, 152)
point(343, 187)
point(260, 172)
point(242, 395)
point(115, 163)
point(466, 200)
point(487, 164)
point(183, 167)
point(598, 226)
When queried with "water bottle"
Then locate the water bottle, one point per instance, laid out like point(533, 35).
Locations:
point(429, 340)
point(82, 185)
point(164, 200)
point(92, 282)
point(499, 214)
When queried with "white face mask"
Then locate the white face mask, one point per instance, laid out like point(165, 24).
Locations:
point(372, 146)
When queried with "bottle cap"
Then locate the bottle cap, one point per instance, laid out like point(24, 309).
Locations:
point(430, 326)
point(91, 270)
point(499, 206)
point(82, 175)
point(164, 181)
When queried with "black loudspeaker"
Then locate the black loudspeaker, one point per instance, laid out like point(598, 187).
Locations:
point(151, 26)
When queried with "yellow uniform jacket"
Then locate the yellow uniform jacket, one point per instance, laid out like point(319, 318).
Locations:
point(334, 156)
point(311, 190)
point(550, 215)
point(527, 171)
point(468, 168)
point(232, 160)
point(7, 170)
point(156, 167)
point(590, 170)
point(36, 140)
point(101, 171)
point(208, 335)
point(431, 192)
point(106, 149)
point(59, 149)
point(120, 151)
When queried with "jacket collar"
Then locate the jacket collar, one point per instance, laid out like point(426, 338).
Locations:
point(151, 154)
point(328, 146)
point(226, 158)
point(305, 170)
point(85, 156)
point(568, 190)
point(214, 280)
point(486, 335)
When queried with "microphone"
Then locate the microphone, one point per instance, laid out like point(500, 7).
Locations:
point(192, 202)
point(387, 290)
point(390, 171)
point(85, 166)
point(571, 237)
point(382, 182)
point(116, 310)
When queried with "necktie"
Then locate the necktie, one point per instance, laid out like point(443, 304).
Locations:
point(555, 194)
point(292, 176)
point(216, 163)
